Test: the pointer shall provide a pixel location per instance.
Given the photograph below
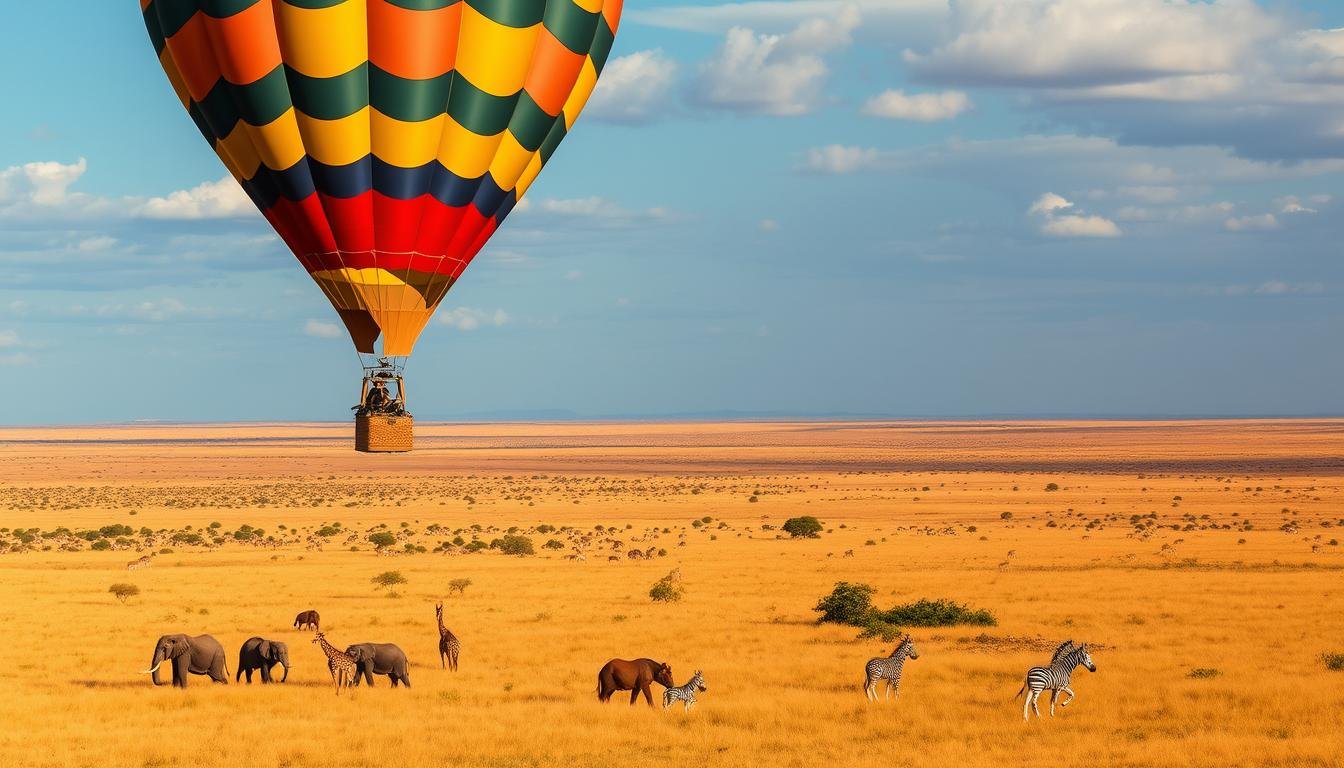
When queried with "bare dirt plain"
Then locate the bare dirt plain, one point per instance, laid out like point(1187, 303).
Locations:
point(1171, 546)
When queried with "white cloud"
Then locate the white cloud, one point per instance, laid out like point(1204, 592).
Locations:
point(920, 107)
point(1282, 288)
point(95, 244)
point(322, 330)
point(774, 74)
point(468, 319)
point(1048, 203)
point(598, 210)
point(1052, 210)
point(883, 17)
point(9, 339)
point(633, 88)
point(768, 225)
point(1231, 73)
point(43, 183)
point(1092, 42)
point(221, 199)
point(1177, 214)
point(837, 159)
point(1080, 226)
point(581, 206)
point(1262, 222)
point(1292, 205)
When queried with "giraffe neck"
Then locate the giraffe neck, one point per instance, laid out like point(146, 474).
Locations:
point(328, 648)
point(442, 629)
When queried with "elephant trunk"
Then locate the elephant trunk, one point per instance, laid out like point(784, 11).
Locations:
point(153, 671)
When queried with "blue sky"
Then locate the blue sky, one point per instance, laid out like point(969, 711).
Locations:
point(906, 207)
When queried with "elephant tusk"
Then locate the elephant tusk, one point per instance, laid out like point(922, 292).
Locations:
point(155, 669)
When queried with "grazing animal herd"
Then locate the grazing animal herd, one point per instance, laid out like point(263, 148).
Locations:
point(203, 655)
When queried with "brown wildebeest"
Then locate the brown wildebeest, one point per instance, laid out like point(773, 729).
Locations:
point(307, 620)
point(633, 676)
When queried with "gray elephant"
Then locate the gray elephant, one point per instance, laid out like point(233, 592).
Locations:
point(200, 655)
point(379, 659)
point(261, 654)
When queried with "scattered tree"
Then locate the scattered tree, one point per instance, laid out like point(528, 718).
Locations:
point(388, 579)
point(459, 586)
point(803, 527)
point(123, 592)
point(668, 589)
point(513, 544)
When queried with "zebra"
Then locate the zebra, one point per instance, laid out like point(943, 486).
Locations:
point(888, 669)
point(685, 693)
point(1056, 677)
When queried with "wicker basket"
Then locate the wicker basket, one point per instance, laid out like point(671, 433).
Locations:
point(383, 434)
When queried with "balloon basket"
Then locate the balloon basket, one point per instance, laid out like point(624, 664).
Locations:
point(380, 433)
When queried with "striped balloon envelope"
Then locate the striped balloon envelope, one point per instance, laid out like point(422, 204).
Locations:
point(384, 140)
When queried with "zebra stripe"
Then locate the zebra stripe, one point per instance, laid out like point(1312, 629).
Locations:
point(1056, 677)
point(888, 669)
point(685, 693)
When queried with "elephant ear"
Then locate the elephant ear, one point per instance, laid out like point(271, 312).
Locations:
point(265, 649)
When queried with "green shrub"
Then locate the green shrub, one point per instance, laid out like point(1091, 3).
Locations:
point(852, 604)
point(1052, 487)
point(667, 589)
point(382, 539)
point(1334, 661)
point(101, 544)
point(554, 544)
point(847, 604)
point(513, 544)
point(476, 546)
point(803, 527)
point(388, 579)
point(937, 613)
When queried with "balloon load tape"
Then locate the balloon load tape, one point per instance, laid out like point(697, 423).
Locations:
point(381, 433)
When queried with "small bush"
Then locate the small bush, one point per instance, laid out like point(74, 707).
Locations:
point(1334, 661)
point(1202, 673)
point(388, 579)
point(847, 604)
point(1052, 487)
point(513, 544)
point(123, 592)
point(667, 589)
point(803, 527)
point(554, 544)
point(101, 544)
point(852, 604)
point(382, 539)
point(937, 613)
point(458, 585)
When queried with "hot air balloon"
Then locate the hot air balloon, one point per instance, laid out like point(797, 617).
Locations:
point(384, 140)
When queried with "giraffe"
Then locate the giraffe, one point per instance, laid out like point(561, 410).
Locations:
point(449, 645)
point(342, 664)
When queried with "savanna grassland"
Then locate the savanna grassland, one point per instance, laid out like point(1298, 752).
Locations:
point(1201, 561)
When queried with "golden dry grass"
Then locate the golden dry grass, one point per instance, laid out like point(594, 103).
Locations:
point(1157, 603)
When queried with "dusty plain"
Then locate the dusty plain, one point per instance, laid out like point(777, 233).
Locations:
point(1170, 546)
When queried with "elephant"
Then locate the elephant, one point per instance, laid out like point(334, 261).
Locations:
point(261, 654)
point(379, 659)
point(200, 655)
